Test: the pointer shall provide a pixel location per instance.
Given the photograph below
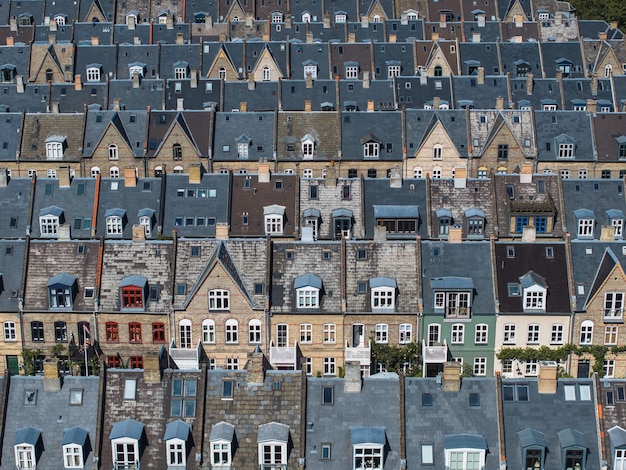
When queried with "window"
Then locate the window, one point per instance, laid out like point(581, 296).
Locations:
point(352, 72)
point(585, 227)
point(72, 456)
point(566, 150)
point(232, 331)
point(327, 395)
point(368, 456)
point(453, 304)
point(458, 334)
point(112, 332)
point(282, 335)
point(176, 453)
point(254, 332)
point(370, 150)
point(509, 334)
point(609, 368)
point(220, 453)
point(266, 74)
point(184, 330)
point(437, 152)
point(114, 225)
point(273, 455)
point(465, 459)
point(480, 366)
point(25, 456)
point(125, 452)
point(184, 397)
point(136, 362)
point(132, 297)
point(134, 332)
point(180, 73)
point(48, 225)
point(427, 453)
point(480, 334)
point(610, 335)
point(405, 334)
point(329, 366)
point(582, 174)
point(556, 336)
point(274, 224)
point(586, 332)
point(531, 367)
point(329, 333)
point(534, 298)
point(383, 298)
point(503, 151)
point(533, 334)
point(60, 331)
point(158, 332)
point(381, 333)
point(54, 148)
point(613, 306)
point(306, 333)
point(434, 331)
point(219, 299)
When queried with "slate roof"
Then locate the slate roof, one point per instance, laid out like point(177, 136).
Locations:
point(552, 52)
point(131, 126)
point(11, 267)
point(42, 126)
point(568, 418)
point(54, 429)
point(468, 90)
point(608, 134)
point(386, 126)
point(259, 127)
point(416, 92)
point(263, 97)
point(419, 123)
point(294, 94)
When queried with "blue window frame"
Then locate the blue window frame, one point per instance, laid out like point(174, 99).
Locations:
point(541, 224)
point(520, 223)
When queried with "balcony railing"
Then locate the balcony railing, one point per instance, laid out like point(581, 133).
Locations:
point(273, 466)
point(285, 356)
point(127, 466)
point(361, 354)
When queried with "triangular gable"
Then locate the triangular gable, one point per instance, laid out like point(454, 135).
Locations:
point(266, 59)
point(438, 58)
point(95, 11)
point(115, 127)
point(221, 257)
point(377, 9)
point(178, 123)
point(222, 59)
point(501, 127)
point(606, 56)
point(435, 129)
point(51, 61)
point(607, 267)
point(515, 9)
point(236, 12)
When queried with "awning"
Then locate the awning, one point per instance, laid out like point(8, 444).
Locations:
point(368, 435)
point(273, 432)
point(396, 212)
point(127, 428)
point(307, 280)
point(75, 435)
point(464, 441)
point(177, 430)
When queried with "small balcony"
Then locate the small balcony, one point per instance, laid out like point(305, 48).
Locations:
point(186, 358)
point(273, 466)
point(361, 354)
point(127, 466)
point(284, 357)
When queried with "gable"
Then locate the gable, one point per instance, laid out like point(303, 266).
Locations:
point(49, 61)
point(222, 61)
point(114, 134)
point(438, 135)
point(515, 10)
point(94, 12)
point(438, 58)
point(501, 133)
point(179, 134)
point(609, 277)
point(266, 60)
point(236, 12)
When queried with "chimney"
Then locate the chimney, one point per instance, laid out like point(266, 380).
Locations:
point(547, 377)
point(365, 21)
point(529, 84)
point(130, 177)
point(249, 21)
point(423, 78)
point(63, 232)
point(455, 234)
point(116, 104)
point(256, 366)
point(352, 379)
point(136, 80)
point(594, 85)
point(592, 106)
point(195, 174)
point(518, 39)
point(607, 233)
point(307, 106)
point(95, 41)
point(442, 20)
point(194, 79)
point(559, 76)
point(51, 375)
point(393, 38)
point(519, 21)
point(366, 79)
point(139, 233)
point(499, 102)
point(52, 26)
point(180, 39)
point(481, 21)
point(251, 83)
point(264, 171)
point(436, 102)
point(309, 38)
point(13, 24)
point(560, 37)
point(330, 178)
point(170, 22)
point(481, 76)
point(351, 38)
point(380, 234)
point(309, 80)
point(326, 20)
point(64, 177)
point(613, 24)
point(136, 40)
point(221, 231)
point(55, 107)
point(529, 234)
point(288, 20)
point(460, 178)
point(435, 36)
point(370, 105)
point(602, 36)
point(19, 80)
point(180, 104)
point(451, 377)
point(78, 82)
point(151, 369)
point(52, 38)
point(10, 41)
point(526, 174)
point(243, 107)
point(4, 177)
point(558, 18)
point(130, 22)
point(476, 37)
point(395, 180)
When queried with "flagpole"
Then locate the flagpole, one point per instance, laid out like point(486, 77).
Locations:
point(85, 346)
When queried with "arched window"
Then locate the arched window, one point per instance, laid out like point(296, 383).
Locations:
point(608, 70)
point(266, 73)
point(208, 331)
point(222, 73)
point(49, 75)
point(113, 153)
point(438, 71)
point(114, 172)
point(437, 152)
point(586, 332)
point(184, 330)
point(254, 332)
point(232, 331)
point(95, 171)
point(178, 169)
point(177, 152)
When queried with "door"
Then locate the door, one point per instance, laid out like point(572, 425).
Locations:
point(357, 335)
point(13, 365)
point(583, 369)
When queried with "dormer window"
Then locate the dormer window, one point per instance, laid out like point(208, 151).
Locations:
point(93, 72)
point(306, 17)
point(49, 220)
point(272, 439)
point(352, 70)
point(55, 146)
point(127, 439)
point(274, 219)
point(310, 67)
point(383, 291)
point(277, 17)
point(397, 220)
point(565, 66)
point(464, 451)
point(115, 221)
point(535, 290)
point(76, 446)
point(308, 146)
point(133, 292)
point(177, 434)
point(132, 18)
point(219, 299)
point(565, 146)
point(371, 146)
point(475, 222)
point(8, 73)
point(340, 17)
point(146, 219)
point(62, 290)
point(136, 68)
point(613, 306)
point(308, 288)
point(181, 70)
point(452, 296)
point(28, 447)
point(585, 221)
point(621, 147)
point(444, 220)
point(243, 145)
point(393, 69)
point(368, 447)
point(616, 218)
point(221, 440)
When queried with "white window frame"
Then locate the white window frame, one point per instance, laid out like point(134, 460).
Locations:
point(371, 149)
point(184, 333)
point(94, 171)
point(114, 172)
point(254, 331)
point(480, 366)
point(457, 334)
point(308, 149)
point(393, 71)
point(610, 335)
point(273, 224)
point(340, 19)
point(464, 454)
point(307, 173)
point(219, 299)
point(618, 224)
point(282, 335)
point(330, 366)
point(613, 306)
point(115, 225)
point(437, 152)
point(585, 227)
point(534, 333)
point(73, 456)
point(609, 368)
point(267, 74)
point(619, 462)
point(208, 331)
point(481, 333)
point(383, 298)
point(146, 223)
point(180, 73)
point(405, 333)
point(307, 297)
point(434, 334)
point(54, 150)
point(381, 333)
point(456, 304)
point(306, 333)
point(566, 150)
point(219, 450)
point(367, 456)
point(52, 173)
point(329, 333)
point(113, 152)
point(25, 457)
point(127, 444)
point(176, 453)
point(534, 298)
point(93, 74)
point(586, 332)
point(417, 172)
point(48, 226)
point(509, 333)
point(232, 331)
point(556, 333)
point(272, 454)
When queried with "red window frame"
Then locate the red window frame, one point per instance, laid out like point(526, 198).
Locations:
point(136, 362)
point(113, 361)
point(112, 332)
point(158, 332)
point(134, 332)
point(132, 297)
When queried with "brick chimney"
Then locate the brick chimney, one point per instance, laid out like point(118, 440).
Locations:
point(352, 381)
point(151, 369)
point(380, 234)
point(180, 104)
point(395, 180)
point(526, 173)
point(130, 177)
point(370, 105)
point(529, 234)
point(136, 80)
point(264, 171)
point(460, 178)
point(51, 375)
point(195, 174)
point(309, 80)
point(436, 102)
point(10, 41)
point(116, 104)
point(529, 84)
point(78, 82)
point(243, 107)
point(481, 76)
point(95, 41)
point(499, 102)
point(251, 83)
point(180, 39)
point(607, 233)
point(64, 177)
point(4, 177)
point(193, 83)
point(592, 106)
point(256, 366)
point(455, 234)
point(451, 377)
point(547, 377)
point(330, 179)
point(366, 79)
point(307, 106)
point(221, 231)
point(139, 233)
point(309, 38)
point(435, 36)
point(64, 233)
